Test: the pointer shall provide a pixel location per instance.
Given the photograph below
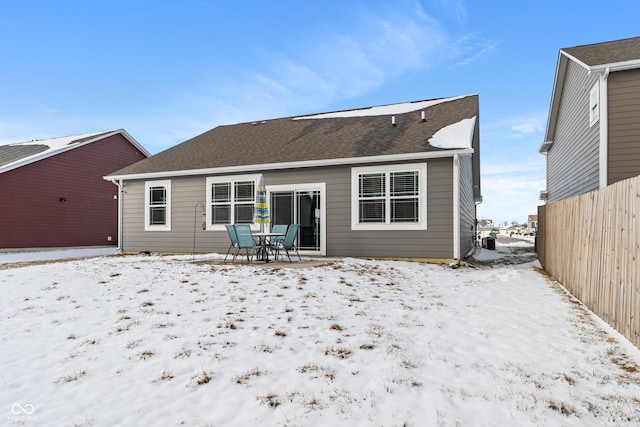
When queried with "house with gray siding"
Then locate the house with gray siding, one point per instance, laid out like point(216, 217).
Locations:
point(593, 131)
point(400, 180)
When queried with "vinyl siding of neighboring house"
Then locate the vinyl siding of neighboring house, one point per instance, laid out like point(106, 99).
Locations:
point(573, 159)
point(187, 192)
point(32, 213)
point(624, 125)
point(467, 206)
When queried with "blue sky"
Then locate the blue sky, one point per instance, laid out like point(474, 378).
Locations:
point(167, 71)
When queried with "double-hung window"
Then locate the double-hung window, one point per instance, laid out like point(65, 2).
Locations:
point(389, 197)
point(230, 200)
point(157, 201)
point(594, 104)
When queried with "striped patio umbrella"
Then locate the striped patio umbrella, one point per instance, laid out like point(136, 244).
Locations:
point(261, 214)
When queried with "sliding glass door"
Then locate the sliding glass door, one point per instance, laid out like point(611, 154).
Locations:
point(299, 206)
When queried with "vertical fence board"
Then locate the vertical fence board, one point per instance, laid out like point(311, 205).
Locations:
point(591, 244)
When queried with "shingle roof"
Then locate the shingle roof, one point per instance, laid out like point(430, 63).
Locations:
point(356, 133)
point(607, 53)
point(20, 154)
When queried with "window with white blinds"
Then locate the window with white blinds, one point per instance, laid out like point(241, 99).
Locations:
point(230, 200)
point(389, 197)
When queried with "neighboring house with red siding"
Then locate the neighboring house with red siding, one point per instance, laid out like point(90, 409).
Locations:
point(52, 192)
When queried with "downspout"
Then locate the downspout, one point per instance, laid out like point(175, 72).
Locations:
point(456, 206)
point(120, 193)
point(603, 104)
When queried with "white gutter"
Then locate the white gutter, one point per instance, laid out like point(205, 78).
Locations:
point(456, 206)
point(603, 105)
point(120, 204)
point(615, 66)
point(295, 165)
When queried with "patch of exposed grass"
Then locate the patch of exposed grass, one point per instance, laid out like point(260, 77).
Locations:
point(146, 354)
point(166, 376)
point(339, 352)
point(335, 327)
point(74, 376)
point(246, 376)
point(317, 371)
point(270, 399)
point(203, 377)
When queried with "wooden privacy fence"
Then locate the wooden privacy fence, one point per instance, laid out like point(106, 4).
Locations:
point(591, 244)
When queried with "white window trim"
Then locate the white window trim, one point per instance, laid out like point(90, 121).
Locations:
point(421, 168)
point(147, 219)
point(228, 178)
point(594, 110)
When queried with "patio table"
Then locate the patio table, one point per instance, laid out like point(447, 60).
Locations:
point(263, 241)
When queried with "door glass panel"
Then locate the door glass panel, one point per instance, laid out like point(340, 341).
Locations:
point(309, 219)
point(282, 208)
point(299, 207)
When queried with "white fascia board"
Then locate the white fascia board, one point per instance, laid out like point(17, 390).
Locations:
point(616, 66)
point(295, 165)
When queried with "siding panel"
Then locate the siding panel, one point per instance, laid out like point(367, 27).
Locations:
point(573, 159)
point(435, 242)
point(31, 213)
point(624, 125)
point(467, 206)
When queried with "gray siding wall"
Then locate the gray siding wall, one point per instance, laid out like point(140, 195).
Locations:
point(467, 206)
point(435, 242)
point(572, 160)
point(624, 125)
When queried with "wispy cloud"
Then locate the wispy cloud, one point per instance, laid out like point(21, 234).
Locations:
point(516, 126)
point(347, 62)
point(470, 48)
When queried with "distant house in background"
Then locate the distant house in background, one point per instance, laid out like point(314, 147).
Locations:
point(53, 193)
point(593, 132)
point(399, 180)
point(532, 224)
point(485, 226)
point(512, 229)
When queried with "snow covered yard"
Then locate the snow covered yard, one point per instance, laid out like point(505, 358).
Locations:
point(151, 340)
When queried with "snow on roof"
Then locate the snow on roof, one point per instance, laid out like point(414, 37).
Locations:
point(51, 146)
point(60, 142)
point(382, 110)
point(457, 135)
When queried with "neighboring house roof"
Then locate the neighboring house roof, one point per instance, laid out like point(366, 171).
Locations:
point(322, 139)
point(608, 53)
point(484, 223)
point(618, 55)
point(533, 217)
point(16, 155)
point(512, 227)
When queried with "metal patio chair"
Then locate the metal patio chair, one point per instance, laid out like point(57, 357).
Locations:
point(288, 243)
point(245, 241)
point(233, 238)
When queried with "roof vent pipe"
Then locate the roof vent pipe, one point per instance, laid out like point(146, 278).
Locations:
point(393, 120)
point(424, 119)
